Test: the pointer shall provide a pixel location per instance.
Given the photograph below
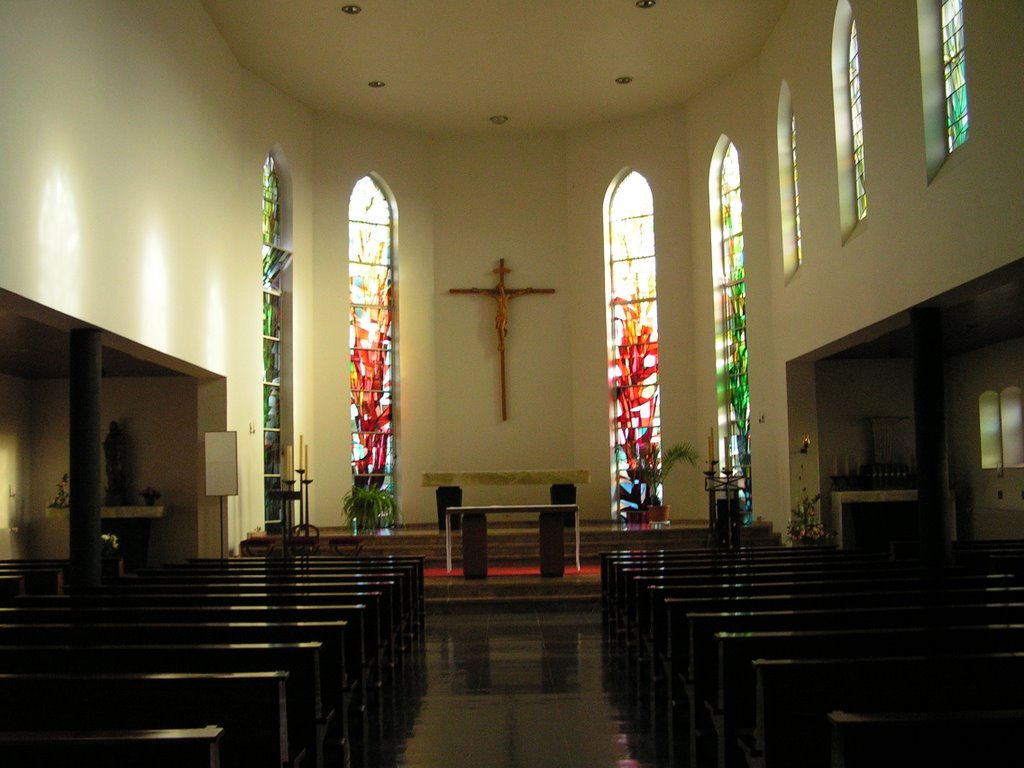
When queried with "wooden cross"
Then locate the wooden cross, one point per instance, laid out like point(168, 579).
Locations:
point(502, 296)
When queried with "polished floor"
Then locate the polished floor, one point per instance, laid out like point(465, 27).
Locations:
point(507, 689)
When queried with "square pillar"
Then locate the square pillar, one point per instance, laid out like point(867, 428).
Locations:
point(474, 545)
point(552, 544)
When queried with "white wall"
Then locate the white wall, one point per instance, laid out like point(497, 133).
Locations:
point(133, 143)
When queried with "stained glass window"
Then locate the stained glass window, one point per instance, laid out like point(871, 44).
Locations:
point(954, 73)
point(857, 123)
point(732, 296)
point(796, 191)
point(371, 349)
point(634, 337)
point(275, 260)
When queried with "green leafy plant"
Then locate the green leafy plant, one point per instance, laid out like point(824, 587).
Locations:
point(367, 508)
point(654, 464)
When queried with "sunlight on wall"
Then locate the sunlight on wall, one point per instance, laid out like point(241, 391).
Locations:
point(6, 486)
point(153, 291)
point(215, 328)
point(60, 246)
point(991, 438)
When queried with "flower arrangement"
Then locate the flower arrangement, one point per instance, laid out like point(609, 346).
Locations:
point(110, 544)
point(804, 522)
point(63, 497)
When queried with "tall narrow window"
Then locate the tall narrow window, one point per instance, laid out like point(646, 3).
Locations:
point(276, 260)
point(857, 123)
point(954, 73)
point(636, 418)
point(371, 348)
point(847, 105)
point(731, 289)
point(789, 185)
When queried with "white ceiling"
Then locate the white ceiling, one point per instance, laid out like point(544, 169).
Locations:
point(448, 65)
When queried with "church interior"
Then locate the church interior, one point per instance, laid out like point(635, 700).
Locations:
point(835, 282)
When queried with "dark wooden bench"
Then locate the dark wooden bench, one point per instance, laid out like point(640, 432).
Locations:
point(40, 578)
point(308, 721)
point(153, 748)
point(899, 739)
point(357, 666)
point(337, 690)
point(250, 707)
point(632, 580)
point(381, 611)
point(402, 590)
point(12, 585)
point(727, 688)
point(410, 566)
point(694, 669)
point(794, 696)
point(652, 622)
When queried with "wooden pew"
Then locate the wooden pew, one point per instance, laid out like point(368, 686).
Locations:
point(154, 748)
point(612, 563)
point(381, 580)
point(250, 707)
point(375, 596)
point(411, 568)
point(695, 673)
point(794, 696)
point(899, 739)
point(336, 688)
point(41, 578)
point(727, 688)
point(308, 721)
point(12, 585)
point(356, 664)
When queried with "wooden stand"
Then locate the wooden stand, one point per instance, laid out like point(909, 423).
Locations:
point(724, 521)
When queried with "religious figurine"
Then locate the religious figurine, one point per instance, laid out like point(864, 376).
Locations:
point(115, 451)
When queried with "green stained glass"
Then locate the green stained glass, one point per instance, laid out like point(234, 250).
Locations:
point(732, 297)
point(371, 311)
point(271, 206)
point(634, 335)
point(954, 73)
point(796, 191)
point(857, 124)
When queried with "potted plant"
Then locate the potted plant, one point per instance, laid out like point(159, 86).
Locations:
point(805, 526)
point(368, 508)
point(653, 466)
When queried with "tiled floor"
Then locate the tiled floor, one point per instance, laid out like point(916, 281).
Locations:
point(509, 689)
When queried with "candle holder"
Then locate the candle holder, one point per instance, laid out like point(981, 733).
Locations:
point(723, 507)
point(288, 497)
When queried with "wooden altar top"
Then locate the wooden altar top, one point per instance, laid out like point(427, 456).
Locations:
point(508, 477)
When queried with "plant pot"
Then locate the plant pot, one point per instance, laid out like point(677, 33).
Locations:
point(659, 513)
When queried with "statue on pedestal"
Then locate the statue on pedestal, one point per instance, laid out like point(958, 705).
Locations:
point(115, 451)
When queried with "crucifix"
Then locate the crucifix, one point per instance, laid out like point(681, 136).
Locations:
point(502, 296)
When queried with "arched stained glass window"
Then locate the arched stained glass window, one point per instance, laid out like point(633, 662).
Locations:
point(275, 262)
point(371, 342)
point(857, 123)
point(633, 306)
point(796, 192)
point(789, 185)
point(734, 415)
point(954, 73)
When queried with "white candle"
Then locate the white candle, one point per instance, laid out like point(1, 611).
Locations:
point(305, 461)
point(302, 464)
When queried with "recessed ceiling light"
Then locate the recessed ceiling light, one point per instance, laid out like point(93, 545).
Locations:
point(498, 119)
point(645, 3)
point(351, 10)
point(376, 83)
point(624, 80)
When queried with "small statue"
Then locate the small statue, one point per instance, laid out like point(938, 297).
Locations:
point(115, 450)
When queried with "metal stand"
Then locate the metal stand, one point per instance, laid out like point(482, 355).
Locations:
point(287, 497)
point(724, 520)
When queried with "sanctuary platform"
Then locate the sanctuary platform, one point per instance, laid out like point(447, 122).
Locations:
point(514, 581)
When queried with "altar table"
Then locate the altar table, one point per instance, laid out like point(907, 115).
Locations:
point(563, 484)
point(474, 536)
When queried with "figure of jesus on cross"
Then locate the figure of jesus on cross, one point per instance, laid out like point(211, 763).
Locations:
point(501, 296)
